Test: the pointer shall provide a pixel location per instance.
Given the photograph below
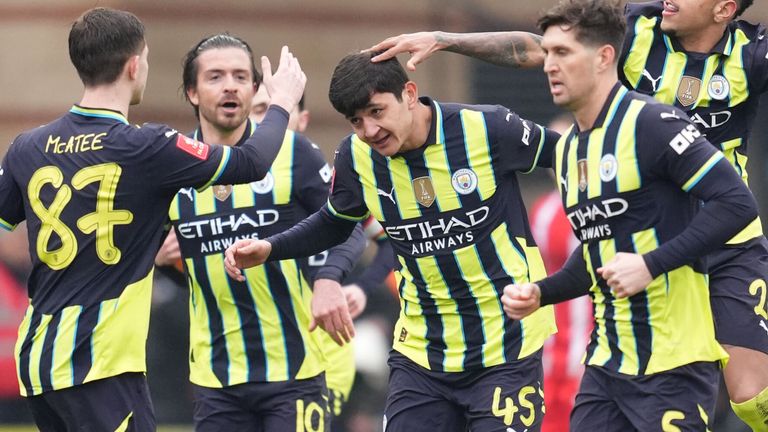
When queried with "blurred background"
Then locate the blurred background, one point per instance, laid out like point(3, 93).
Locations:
point(38, 83)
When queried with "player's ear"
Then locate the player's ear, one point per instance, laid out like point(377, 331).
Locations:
point(725, 10)
point(303, 121)
point(132, 66)
point(606, 58)
point(411, 94)
point(192, 95)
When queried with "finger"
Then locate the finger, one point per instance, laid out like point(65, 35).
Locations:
point(266, 69)
point(386, 55)
point(413, 61)
point(312, 324)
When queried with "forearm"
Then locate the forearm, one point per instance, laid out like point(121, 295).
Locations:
point(260, 150)
point(342, 258)
point(713, 225)
point(510, 49)
point(318, 232)
point(570, 282)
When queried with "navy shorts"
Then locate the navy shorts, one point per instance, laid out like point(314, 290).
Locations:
point(737, 286)
point(498, 398)
point(118, 403)
point(681, 399)
point(297, 405)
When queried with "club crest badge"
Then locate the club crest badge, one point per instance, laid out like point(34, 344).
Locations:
point(222, 192)
point(464, 181)
point(583, 179)
point(424, 191)
point(718, 88)
point(265, 185)
point(688, 90)
point(608, 167)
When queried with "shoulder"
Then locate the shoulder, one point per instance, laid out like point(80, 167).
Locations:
point(753, 32)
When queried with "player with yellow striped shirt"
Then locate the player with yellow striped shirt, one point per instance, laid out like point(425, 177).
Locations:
point(630, 172)
point(253, 361)
point(699, 56)
point(441, 179)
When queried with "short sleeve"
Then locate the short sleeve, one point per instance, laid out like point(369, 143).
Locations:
point(522, 144)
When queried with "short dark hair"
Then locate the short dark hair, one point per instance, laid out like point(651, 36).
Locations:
point(356, 79)
point(217, 41)
point(101, 41)
point(596, 22)
point(743, 5)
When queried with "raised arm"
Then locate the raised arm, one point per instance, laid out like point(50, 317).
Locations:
point(511, 49)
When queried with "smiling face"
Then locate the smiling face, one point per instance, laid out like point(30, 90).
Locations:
point(385, 123)
point(570, 67)
point(224, 87)
point(682, 18)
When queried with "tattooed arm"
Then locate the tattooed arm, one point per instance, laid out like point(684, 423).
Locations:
point(511, 49)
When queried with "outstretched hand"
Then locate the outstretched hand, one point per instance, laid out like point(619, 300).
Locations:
point(420, 45)
point(286, 86)
point(243, 254)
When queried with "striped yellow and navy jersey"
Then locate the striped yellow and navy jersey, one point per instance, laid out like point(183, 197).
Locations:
point(95, 191)
point(630, 184)
point(454, 216)
point(257, 330)
point(719, 90)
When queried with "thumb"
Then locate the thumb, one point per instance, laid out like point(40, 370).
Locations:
point(266, 69)
point(312, 324)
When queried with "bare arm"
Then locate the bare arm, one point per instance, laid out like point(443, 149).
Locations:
point(511, 49)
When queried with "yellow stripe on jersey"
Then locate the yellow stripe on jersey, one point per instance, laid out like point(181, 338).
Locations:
point(572, 180)
point(601, 354)
point(6, 225)
point(231, 319)
point(411, 323)
point(557, 165)
point(709, 70)
point(225, 155)
point(734, 71)
point(702, 171)
point(736, 159)
point(403, 184)
point(641, 48)
point(200, 366)
point(204, 202)
point(36, 352)
point(61, 364)
point(301, 300)
point(173, 209)
point(538, 326)
point(242, 196)
point(363, 165)
point(439, 171)
point(488, 303)
point(123, 326)
point(478, 151)
point(23, 330)
point(674, 67)
point(271, 324)
point(282, 171)
point(594, 156)
point(447, 308)
point(628, 175)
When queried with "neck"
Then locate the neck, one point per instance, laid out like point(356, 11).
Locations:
point(422, 120)
point(704, 40)
point(587, 112)
point(216, 135)
point(112, 97)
